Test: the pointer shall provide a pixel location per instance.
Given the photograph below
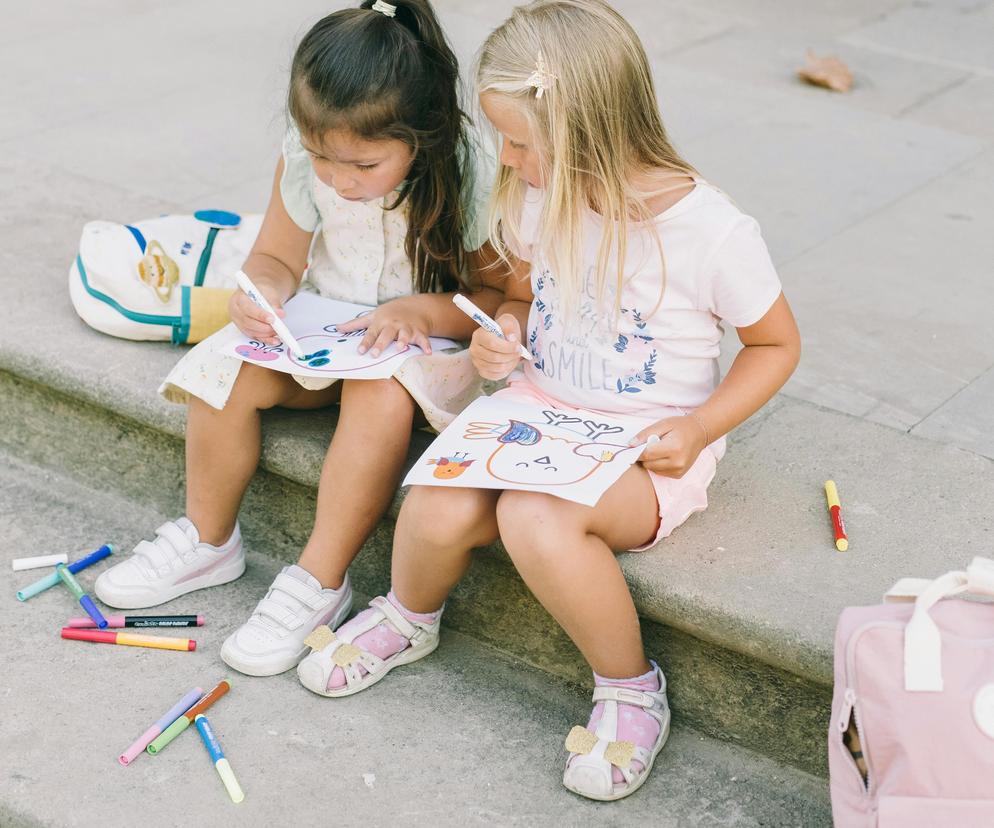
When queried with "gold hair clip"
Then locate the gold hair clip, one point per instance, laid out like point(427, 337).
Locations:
point(386, 9)
point(540, 79)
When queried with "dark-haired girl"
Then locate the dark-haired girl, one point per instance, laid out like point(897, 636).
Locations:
point(376, 197)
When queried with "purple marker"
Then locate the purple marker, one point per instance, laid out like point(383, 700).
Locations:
point(171, 716)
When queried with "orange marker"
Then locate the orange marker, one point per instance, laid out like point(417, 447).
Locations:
point(835, 510)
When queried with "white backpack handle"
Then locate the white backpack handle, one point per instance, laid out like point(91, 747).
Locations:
point(922, 639)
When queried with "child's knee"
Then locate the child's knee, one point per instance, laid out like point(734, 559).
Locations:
point(377, 392)
point(535, 523)
point(449, 517)
point(258, 387)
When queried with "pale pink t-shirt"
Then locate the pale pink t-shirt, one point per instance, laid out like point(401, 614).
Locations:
point(717, 270)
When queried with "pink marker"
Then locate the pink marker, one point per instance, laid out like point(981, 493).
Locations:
point(118, 621)
point(171, 716)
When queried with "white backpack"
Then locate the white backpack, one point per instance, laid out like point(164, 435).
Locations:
point(167, 278)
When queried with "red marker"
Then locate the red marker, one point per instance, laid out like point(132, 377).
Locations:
point(835, 510)
point(129, 639)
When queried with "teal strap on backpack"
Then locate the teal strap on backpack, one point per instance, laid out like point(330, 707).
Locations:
point(180, 324)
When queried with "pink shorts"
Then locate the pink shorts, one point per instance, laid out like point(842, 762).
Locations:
point(677, 499)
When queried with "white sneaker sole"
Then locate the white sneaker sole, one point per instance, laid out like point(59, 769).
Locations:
point(231, 657)
point(216, 577)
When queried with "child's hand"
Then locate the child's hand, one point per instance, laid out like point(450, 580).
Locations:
point(400, 320)
point(494, 357)
point(252, 320)
point(681, 440)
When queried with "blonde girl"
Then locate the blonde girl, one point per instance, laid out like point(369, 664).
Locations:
point(630, 263)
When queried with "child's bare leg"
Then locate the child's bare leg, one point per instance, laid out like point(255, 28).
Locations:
point(360, 474)
point(436, 532)
point(222, 447)
point(563, 551)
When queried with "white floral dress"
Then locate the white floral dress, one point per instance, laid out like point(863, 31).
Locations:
point(358, 256)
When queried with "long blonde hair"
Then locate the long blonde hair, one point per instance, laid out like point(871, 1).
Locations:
point(596, 124)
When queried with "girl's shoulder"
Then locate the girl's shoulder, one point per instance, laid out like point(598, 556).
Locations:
point(297, 182)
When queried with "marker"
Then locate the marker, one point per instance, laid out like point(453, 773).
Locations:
point(217, 757)
point(49, 581)
point(282, 331)
point(117, 621)
point(484, 321)
point(38, 562)
point(171, 715)
point(835, 510)
point(85, 601)
point(154, 642)
point(184, 720)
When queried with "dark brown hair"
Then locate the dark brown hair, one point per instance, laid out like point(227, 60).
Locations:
point(396, 77)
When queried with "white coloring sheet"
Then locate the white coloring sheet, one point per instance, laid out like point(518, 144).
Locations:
point(312, 319)
point(503, 444)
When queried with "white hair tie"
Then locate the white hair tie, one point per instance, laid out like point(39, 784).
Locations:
point(540, 79)
point(385, 8)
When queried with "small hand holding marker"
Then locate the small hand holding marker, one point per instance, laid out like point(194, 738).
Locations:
point(253, 293)
point(677, 445)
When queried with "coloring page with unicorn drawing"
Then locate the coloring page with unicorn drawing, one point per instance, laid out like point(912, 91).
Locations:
point(500, 444)
point(312, 319)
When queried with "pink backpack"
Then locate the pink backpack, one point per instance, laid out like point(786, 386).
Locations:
point(919, 680)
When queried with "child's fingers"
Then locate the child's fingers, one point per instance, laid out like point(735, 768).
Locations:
point(421, 339)
point(357, 324)
point(387, 335)
point(368, 339)
point(510, 326)
point(491, 342)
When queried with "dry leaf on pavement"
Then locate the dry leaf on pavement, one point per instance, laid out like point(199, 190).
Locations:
point(827, 71)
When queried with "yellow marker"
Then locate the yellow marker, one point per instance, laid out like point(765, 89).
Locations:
point(835, 511)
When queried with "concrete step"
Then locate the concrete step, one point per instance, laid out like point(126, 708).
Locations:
point(467, 736)
point(739, 604)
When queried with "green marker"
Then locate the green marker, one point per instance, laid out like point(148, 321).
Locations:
point(186, 719)
point(85, 601)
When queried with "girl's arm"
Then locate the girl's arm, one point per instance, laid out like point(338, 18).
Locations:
point(412, 319)
point(275, 264)
point(772, 350)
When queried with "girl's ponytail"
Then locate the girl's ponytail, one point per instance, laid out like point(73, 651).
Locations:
point(383, 76)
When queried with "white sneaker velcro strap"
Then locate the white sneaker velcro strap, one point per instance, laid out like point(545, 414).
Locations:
point(301, 591)
point(284, 616)
point(625, 695)
point(177, 537)
point(392, 614)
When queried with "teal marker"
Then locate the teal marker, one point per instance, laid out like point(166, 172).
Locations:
point(217, 757)
point(85, 601)
point(51, 580)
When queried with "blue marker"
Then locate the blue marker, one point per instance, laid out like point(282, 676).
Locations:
point(31, 590)
point(85, 601)
point(217, 757)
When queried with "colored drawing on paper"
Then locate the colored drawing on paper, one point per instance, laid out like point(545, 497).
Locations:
point(531, 448)
point(328, 352)
point(448, 468)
